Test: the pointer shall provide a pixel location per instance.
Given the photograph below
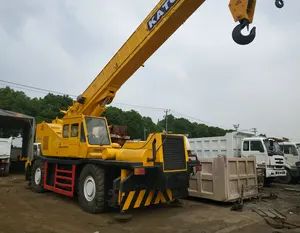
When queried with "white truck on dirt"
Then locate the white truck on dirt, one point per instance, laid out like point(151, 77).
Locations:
point(5, 153)
point(270, 161)
point(36, 149)
point(291, 152)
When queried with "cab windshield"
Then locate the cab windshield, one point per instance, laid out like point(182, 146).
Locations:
point(97, 131)
point(273, 147)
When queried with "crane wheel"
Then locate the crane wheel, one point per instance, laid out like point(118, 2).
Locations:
point(91, 190)
point(37, 177)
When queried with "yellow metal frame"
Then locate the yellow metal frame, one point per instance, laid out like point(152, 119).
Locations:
point(242, 9)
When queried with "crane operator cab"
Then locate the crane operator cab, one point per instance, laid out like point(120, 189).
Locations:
point(97, 131)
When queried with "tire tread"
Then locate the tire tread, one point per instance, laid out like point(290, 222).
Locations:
point(98, 173)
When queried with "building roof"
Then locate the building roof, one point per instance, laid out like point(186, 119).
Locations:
point(6, 113)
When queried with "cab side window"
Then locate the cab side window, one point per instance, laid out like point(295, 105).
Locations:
point(256, 146)
point(74, 130)
point(246, 146)
point(65, 131)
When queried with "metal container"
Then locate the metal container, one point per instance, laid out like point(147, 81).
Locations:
point(225, 179)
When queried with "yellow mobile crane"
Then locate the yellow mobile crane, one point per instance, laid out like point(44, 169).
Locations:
point(76, 154)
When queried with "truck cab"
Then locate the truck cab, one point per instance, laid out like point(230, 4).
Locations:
point(291, 152)
point(268, 155)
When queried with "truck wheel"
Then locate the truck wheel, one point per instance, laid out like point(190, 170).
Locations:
point(6, 169)
point(268, 181)
point(285, 179)
point(91, 190)
point(37, 177)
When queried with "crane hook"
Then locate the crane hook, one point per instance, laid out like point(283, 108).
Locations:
point(279, 3)
point(237, 35)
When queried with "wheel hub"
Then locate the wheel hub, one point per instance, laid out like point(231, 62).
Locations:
point(89, 188)
point(37, 176)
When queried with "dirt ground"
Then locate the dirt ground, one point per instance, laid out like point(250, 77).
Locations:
point(25, 211)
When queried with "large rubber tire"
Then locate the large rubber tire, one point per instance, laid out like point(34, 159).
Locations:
point(37, 177)
point(268, 181)
point(6, 169)
point(91, 190)
point(285, 179)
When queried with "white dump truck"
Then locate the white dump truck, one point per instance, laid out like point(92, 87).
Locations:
point(5, 153)
point(291, 152)
point(269, 157)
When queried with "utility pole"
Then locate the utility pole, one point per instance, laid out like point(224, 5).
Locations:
point(166, 119)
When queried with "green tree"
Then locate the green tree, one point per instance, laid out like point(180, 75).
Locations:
point(15, 101)
point(193, 129)
point(48, 108)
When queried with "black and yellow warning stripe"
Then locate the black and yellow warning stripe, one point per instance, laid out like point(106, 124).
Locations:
point(144, 197)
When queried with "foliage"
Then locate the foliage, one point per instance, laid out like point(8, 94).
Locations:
point(191, 129)
point(48, 108)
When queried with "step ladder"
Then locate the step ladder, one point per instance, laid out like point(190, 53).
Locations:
point(63, 180)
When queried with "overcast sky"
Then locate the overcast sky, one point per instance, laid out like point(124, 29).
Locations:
point(61, 45)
